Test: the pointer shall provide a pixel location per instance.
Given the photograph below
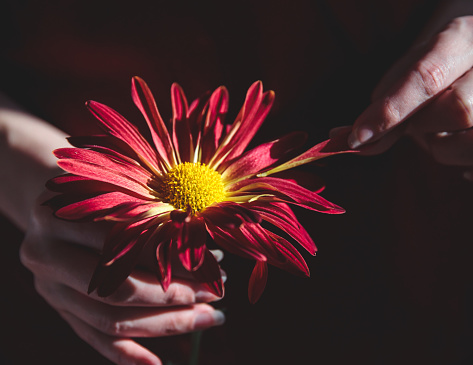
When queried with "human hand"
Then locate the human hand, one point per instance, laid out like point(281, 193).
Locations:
point(62, 257)
point(428, 94)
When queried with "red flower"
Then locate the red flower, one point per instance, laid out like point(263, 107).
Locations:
point(192, 182)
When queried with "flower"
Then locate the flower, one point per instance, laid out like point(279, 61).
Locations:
point(193, 183)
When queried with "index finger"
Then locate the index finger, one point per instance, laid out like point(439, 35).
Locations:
point(447, 57)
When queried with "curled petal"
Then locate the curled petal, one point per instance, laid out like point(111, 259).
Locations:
point(258, 280)
point(163, 256)
point(234, 242)
point(108, 277)
point(191, 243)
point(278, 251)
point(282, 217)
point(209, 274)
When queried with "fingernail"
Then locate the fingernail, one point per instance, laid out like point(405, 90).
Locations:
point(223, 274)
point(204, 296)
point(334, 131)
point(359, 136)
point(209, 319)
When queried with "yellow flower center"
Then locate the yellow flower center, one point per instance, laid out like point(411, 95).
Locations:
point(193, 185)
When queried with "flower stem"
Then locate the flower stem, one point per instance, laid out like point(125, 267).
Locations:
point(195, 347)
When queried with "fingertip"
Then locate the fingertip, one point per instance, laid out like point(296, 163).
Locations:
point(206, 318)
point(359, 136)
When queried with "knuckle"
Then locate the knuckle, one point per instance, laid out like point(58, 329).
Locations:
point(178, 324)
point(112, 326)
point(178, 294)
point(432, 77)
point(391, 115)
point(30, 254)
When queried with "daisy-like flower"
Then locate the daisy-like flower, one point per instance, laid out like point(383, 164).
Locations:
point(186, 183)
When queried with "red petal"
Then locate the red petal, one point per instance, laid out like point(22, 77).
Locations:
point(213, 126)
point(181, 134)
point(144, 100)
point(258, 280)
point(286, 191)
point(191, 243)
point(106, 175)
point(209, 274)
point(263, 156)
point(163, 255)
point(125, 166)
point(107, 278)
point(229, 215)
point(108, 143)
point(234, 242)
point(96, 204)
point(251, 125)
point(324, 149)
point(282, 217)
point(278, 251)
point(119, 127)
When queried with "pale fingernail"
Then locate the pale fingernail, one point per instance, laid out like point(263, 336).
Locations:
point(204, 296)
point(209, 319)
point(359, 136)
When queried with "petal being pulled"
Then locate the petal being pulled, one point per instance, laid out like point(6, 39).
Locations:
point(284, 191)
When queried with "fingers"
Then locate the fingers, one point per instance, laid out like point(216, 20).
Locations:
point(454, 149)
point(121, 351)
point(446, 58)
point(73, 266)
point(130, 321)
point(452, 111)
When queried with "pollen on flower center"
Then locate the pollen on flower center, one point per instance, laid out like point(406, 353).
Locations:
point(193, 185)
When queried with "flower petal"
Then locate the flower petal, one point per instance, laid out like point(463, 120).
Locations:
point(282, 217)
point(234, 242)
point(125, 166)
point(324, 149)
point(213, 126)
point(209, 274)
point(262, 157)
point(247, 123)
point(107, 278)
point(118, 126)
point(144, 100)
point(107, 175)
point(285, 191)
point(278, 251)
point(191, 243)
point(87, 207)
point(258, 280)
point(181, 134)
